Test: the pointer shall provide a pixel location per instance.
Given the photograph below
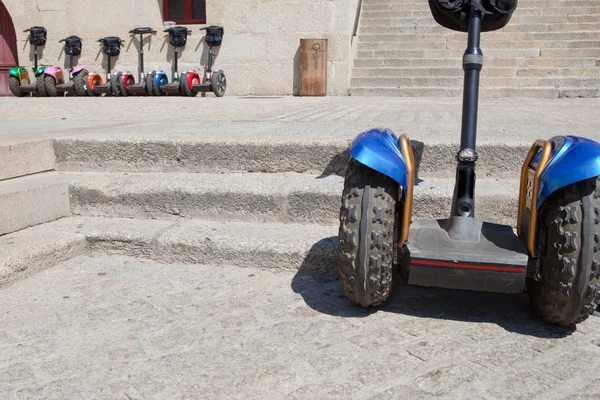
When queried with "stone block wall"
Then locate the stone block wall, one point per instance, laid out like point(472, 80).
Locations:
point(259, 53)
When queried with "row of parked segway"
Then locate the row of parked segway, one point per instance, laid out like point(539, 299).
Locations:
point(50, 80)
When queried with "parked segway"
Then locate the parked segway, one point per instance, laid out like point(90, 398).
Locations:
point(127, 83)
point(18, 77)
point(54, 78)
point(212, 81)
point(556, 251)
point(94, 85)
point(178, 85)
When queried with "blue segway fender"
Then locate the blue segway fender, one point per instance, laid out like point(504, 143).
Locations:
point(379, 149)
point(573, 159)
point(160, 78)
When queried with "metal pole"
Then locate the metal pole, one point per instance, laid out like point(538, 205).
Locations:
point(141, 67)
point(175, 72)
point(210, 58)
point(463, 202)
point(35, 58)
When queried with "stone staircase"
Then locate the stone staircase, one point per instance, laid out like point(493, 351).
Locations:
point(548, 50)
point(258, 185)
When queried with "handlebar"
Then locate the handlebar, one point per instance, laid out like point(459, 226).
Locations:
point(189, 32)
point(142, 30)
point(27, 30)
point(121, 41)
point(67, 38)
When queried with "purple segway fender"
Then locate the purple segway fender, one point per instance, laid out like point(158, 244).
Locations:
point(52, 71)
point(77, 69)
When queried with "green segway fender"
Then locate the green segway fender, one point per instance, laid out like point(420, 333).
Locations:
point(40, 70)
point(16, 71)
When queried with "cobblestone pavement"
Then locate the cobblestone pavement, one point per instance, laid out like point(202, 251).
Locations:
point(107, 327)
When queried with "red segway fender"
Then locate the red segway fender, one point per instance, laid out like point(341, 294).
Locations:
point(93, 79)
point(126, 80)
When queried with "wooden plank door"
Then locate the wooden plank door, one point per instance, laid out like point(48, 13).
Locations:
point(8, 49)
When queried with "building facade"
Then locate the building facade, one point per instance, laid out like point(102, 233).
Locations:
point(260, 48)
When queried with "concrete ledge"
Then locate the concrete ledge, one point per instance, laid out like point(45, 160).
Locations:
point(29, 251)
point(26, 158)
point(260, 245)
point(32, 200)
point(325, 157)
point(261, 197)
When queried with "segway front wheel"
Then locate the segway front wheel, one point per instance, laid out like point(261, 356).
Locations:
point(50, 85)
point(124, 82)
point(15, 87)
point(150, 83)
point(79, 81)
point(115, 83)
point(185, 84)
point(567, 289)
point(91, 81)
point(367, 235)
point(219, 83)
point(40, 86)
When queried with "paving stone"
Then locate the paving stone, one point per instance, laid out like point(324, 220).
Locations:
point(203, 331)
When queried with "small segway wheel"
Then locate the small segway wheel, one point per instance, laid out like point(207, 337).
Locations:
point(15, 87)
point(187, 82)
point(219, 83)
point(91, 81)
point(79, 81)
point(367, 235)
point(115, 83)
point(124, 82)
point(50, 85)
point(567, 288)
point(149, 83)
point(40, 86)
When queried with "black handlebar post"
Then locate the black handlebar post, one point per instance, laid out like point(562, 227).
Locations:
point(463, 203)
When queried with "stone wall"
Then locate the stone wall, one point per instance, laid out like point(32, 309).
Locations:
point(259, 50)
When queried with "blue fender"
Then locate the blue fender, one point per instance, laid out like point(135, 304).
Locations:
point(160, 79)
point(573, 159)
point(379, 149)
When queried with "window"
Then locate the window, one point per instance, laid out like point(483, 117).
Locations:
point(185, 11)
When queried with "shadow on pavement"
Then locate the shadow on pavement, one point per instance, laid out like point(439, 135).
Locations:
point(322, 293)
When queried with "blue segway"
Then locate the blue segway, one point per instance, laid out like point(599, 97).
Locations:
point(555, 253)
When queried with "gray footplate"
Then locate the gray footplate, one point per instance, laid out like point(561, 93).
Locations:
point(464, 253)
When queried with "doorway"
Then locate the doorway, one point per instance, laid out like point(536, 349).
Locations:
point(8, 49)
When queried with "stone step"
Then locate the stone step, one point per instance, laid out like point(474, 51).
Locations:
point(530, 92)
point(32, 200)
point(523, 14)
point(31, 250)
point(489, 53)
point(274, 246)
point(533, 21)
point(523, 5)
point(586, 64)
point(318, 157)
point(491, 72)
point(487, 39)
point(457, 81)
point(421, 73)
point(24, 158)
point(460, 44)
point(438, 29)
point(453, 62)
point(259, 197)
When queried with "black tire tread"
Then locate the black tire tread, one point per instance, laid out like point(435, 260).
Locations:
point(15, 87)
point(79, 82)
point(40, 86)
point(569, 289)
point(366, 242)
point(50, 85)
